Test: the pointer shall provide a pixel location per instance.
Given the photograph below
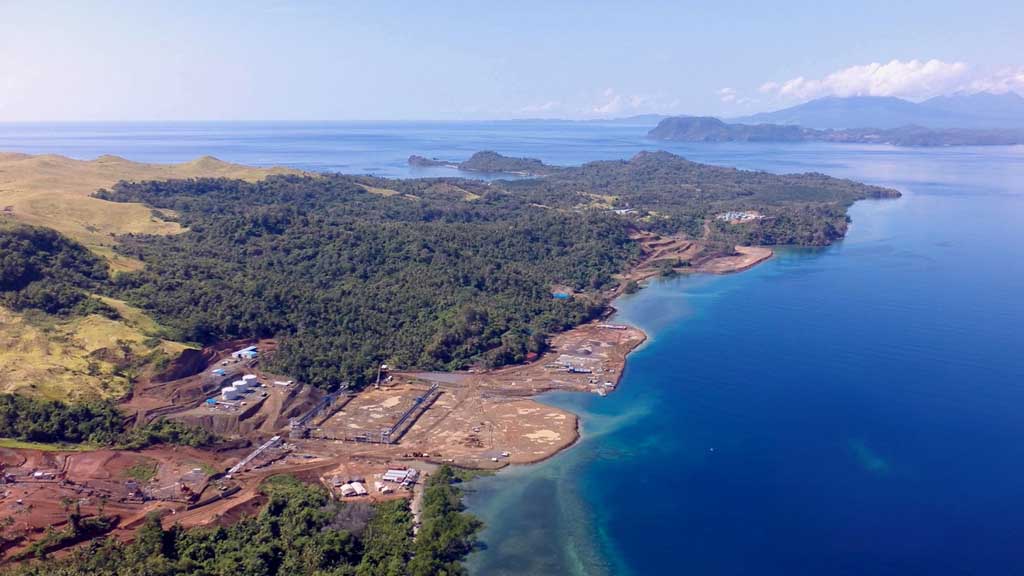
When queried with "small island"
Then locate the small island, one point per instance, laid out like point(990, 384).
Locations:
point(489, 162)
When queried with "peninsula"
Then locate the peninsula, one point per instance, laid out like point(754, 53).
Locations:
point(709, 129)
point(353, 330)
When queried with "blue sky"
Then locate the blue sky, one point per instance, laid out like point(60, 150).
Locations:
point(270, 59)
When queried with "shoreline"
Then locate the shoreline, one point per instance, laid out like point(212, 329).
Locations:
point(748, 257)
point(478, 420)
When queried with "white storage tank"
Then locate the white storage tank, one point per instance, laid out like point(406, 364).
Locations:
point(230, 393)
point(241, 385)
point(251, 380)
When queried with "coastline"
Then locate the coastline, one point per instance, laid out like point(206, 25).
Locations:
point(479, 420)
point(747, 258)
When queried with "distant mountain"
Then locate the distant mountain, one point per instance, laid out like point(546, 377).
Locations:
point(981, 105)
point(705, 129)
point(709, 129)
point(982, 110)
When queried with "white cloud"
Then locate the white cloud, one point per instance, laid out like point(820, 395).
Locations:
point(612, 104)
point(549, 106)
point(911, 79)
point(731, 96)
point(1005, 80)
point(915, 79)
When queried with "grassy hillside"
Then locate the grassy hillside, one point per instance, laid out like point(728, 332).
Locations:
point(54, 191)
point(51, 357)
point(58, 338)
point(77, 356)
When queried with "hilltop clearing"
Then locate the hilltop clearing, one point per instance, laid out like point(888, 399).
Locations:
point(55, 191)
point(58, 337)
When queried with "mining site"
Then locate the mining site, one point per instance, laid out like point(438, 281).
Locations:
point(373, 444)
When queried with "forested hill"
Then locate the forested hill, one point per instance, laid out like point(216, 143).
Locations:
point(707, 129)
point(671, 195)
point(490, 162)
point(42, 270)
point(419, 273)
point(436, 273)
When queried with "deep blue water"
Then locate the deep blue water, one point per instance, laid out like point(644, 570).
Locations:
point(850, 410)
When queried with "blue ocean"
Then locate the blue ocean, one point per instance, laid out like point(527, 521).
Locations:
point(857, 409)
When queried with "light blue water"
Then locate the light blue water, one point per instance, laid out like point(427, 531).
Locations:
point(851, 410)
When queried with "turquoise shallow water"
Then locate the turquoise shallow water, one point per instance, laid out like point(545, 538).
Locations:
point(850, 410)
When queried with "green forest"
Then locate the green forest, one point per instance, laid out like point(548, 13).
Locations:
point(672, 195)
point(301, 530)
point(42, 270)
point(349, 272)
point(436, 273)
point(96, 422)
point(350, 278)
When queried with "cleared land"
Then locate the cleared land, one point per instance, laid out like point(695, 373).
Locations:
point(686, 256)
point(41, 486)
point(746, 257)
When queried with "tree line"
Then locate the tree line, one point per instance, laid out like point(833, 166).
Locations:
point(41, 269)
point(97, 422)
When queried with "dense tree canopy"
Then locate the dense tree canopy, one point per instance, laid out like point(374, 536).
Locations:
point(96, 422)
point(673, 195)
point(349, 272)
point(40, 269)
point(350, 278)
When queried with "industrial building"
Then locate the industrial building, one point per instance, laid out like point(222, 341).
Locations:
point(247, 353)
point(403, 477)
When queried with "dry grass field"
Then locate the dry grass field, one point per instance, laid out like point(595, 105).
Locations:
point(80, 357)
point(54, 191)
point(51, 357)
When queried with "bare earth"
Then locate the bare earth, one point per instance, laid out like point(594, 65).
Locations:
point(684, 256)
point(747, 257)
